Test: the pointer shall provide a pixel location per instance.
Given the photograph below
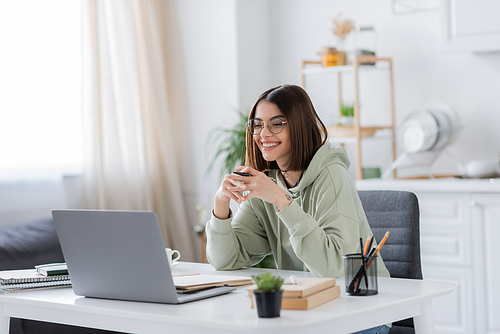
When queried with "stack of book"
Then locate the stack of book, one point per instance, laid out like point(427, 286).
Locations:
point(193, 282)
point(308, 293)
point(32, 278)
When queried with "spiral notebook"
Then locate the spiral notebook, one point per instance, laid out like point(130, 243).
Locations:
point(29, 279)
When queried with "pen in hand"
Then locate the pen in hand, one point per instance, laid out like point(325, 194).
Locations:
point(241, 173)
point(248, 174)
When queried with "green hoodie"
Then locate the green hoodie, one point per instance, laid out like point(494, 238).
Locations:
point(323, 223)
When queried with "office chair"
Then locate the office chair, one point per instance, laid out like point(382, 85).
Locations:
point(397, 212)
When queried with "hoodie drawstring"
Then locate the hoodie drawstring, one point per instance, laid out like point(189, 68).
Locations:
point(279, 245)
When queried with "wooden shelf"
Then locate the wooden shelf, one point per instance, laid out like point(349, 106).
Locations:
point(355, 132)
point(320, 69)
point(350, 131)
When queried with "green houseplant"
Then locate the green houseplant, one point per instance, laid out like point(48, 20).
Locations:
point(346, 114)
point(268, 295)
point(230, 145)
point(347, 110)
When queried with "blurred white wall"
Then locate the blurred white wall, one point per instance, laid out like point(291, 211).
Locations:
point(273, 36)
point(233, 50)
point(422, 72)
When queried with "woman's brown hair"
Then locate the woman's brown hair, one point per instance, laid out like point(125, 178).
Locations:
point(307, 131)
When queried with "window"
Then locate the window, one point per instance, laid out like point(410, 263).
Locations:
point(40, 87)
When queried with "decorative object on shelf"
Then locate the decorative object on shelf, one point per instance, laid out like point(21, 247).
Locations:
point(482, 168)
point(342, 28)
point(346, 114)
point(355, 133)
point(371, 173)
point(368, 60)
point(365, 42)
point(268, 295)
point(428, 130)
point(331, 56)
point(230, 145)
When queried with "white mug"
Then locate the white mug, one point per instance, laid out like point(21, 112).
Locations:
point(170, 253)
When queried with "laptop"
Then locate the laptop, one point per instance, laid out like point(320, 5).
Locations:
point(120, 255)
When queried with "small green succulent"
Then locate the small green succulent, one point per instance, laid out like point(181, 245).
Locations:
point(267, 282)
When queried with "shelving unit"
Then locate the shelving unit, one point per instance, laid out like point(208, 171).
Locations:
point(355, 132)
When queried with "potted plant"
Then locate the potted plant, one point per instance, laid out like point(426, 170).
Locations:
point(347, 114)
point(268, 295)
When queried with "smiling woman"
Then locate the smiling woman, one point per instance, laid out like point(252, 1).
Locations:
point(40, 84)
point(297, 200)
point(298, 203)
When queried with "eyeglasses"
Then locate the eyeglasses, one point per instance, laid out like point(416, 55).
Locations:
point(275, 125)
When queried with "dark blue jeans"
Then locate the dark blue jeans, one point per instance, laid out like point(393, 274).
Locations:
point(375, 330)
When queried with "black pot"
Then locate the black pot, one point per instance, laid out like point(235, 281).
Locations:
point(268, 303)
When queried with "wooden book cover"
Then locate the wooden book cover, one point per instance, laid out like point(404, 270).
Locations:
point(307, 303)
point(306, 286)
point(200, 281)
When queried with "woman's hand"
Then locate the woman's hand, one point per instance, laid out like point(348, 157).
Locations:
point(261, 186)
point(230, 189)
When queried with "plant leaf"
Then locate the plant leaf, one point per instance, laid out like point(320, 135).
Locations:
point(230, 145)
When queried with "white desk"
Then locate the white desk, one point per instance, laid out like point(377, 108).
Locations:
point(397, 299)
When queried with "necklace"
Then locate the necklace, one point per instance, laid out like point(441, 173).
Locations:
point(283, 172)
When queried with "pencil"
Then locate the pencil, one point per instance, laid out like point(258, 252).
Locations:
point(366, 246)
point(379, 248)
point(382, 243)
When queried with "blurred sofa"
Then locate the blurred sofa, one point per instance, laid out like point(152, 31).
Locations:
point(23, 246)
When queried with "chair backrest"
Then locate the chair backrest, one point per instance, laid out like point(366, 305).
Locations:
point(397, 212)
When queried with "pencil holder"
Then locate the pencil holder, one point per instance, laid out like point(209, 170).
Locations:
point(360, 277)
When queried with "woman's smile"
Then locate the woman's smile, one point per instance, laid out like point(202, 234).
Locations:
point(269, 145)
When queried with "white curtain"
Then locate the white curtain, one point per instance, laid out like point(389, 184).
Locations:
point(130, 157)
